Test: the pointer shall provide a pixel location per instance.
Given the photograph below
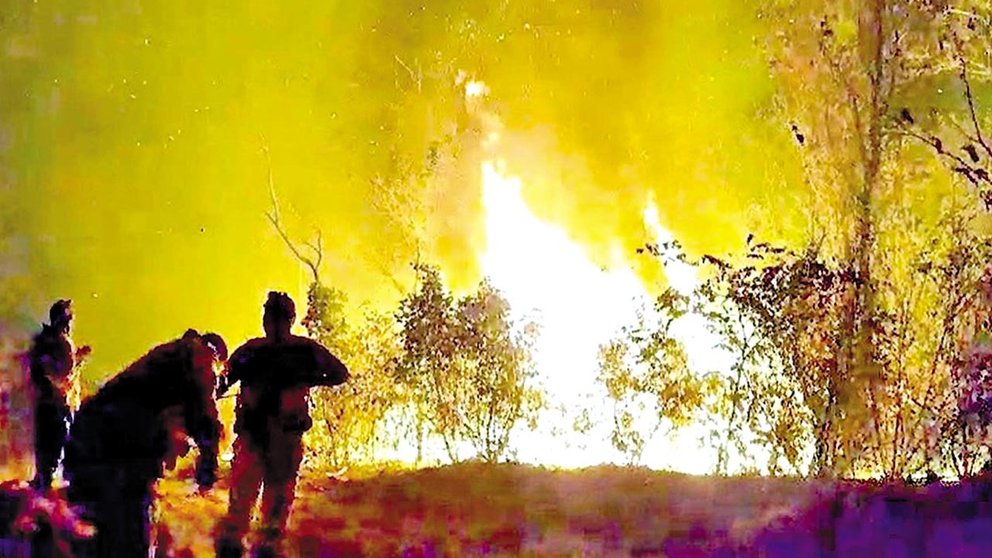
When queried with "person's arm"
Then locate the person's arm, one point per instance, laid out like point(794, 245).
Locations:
point(51, 362)
point(235, 370)
point(82, 353)
point(330, 370)
point(200, 410)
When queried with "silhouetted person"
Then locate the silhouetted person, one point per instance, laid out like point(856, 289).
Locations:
point(121, 438)
point(53, 366)
point(276, 373)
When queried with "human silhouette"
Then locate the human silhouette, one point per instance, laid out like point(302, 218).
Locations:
point(53, 365)
point(276, 373)
point(122, 436)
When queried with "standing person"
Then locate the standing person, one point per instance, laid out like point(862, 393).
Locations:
point(53, 365)
point(123, 435)
point(276, 373)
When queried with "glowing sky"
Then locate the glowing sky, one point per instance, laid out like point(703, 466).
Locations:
point(132, 178)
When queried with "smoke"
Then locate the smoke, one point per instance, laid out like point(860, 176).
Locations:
point(133, 180)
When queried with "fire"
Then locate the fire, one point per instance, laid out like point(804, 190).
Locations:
point(546, 275)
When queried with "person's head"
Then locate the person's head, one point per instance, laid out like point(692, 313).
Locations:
point(215, 343)
point(280, 313)
point(212, 340)
point(60, 315)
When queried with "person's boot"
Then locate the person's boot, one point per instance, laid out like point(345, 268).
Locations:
point(227, 548)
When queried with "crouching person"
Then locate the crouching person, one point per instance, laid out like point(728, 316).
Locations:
point(276, 373)
point(123, 434)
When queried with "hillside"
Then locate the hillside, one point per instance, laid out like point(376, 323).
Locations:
point(505, 510)
point(513, 510)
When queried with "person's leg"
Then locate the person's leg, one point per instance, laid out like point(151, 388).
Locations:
point(136, 525)
point(61, 436)
point(49, 437)
point(282, 464)
point(82, 493)
point(93, 491)
point(246, 479)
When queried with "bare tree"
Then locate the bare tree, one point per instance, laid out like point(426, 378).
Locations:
point(312, 262)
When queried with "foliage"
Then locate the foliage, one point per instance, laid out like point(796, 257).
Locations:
point(778, 313)
point(761, 405)
point(325, 317)
point(426, 365)
point(467, 368)
point(645, 370)
point(497, 372)
point(349, 420)
point(870, 56)
point(863, 324)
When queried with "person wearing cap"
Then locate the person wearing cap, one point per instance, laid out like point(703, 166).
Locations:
point(123, 436)
point(53, 365)
point(276, 373)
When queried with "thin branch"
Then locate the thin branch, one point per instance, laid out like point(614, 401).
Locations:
point(317, 248)
point(967, 14)
point(413, 76)
point(971, 106)
point(970, 172)
point(273, 217)
point(965, 133)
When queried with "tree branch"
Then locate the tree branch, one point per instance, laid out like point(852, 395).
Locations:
point(971, 106)
point(973, 174)
point(274, 218)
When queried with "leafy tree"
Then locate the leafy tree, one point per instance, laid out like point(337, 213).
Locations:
point(350, 420)
point(497, 372)
point(465, 368)
point(778, 313)
point(645, 370)
point(428, 326)
point(872, 57)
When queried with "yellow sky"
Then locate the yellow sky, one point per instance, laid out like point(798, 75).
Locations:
point(132, 178)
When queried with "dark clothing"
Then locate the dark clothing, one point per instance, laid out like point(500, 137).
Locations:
point(272, 415)
point(120, 439)
point(117, 502)
point(276, 470)
point(51, 362)
point(272, 373)
point(51, 425)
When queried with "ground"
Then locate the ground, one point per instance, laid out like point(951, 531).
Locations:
point(476, 509)
point(499, 510)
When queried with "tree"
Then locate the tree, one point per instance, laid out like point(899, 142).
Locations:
point(777, 313)
point(425, 368)
point(465, 368)
point(870, 56)
point(350, 420)
point(497, 372)
point(645, 370)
